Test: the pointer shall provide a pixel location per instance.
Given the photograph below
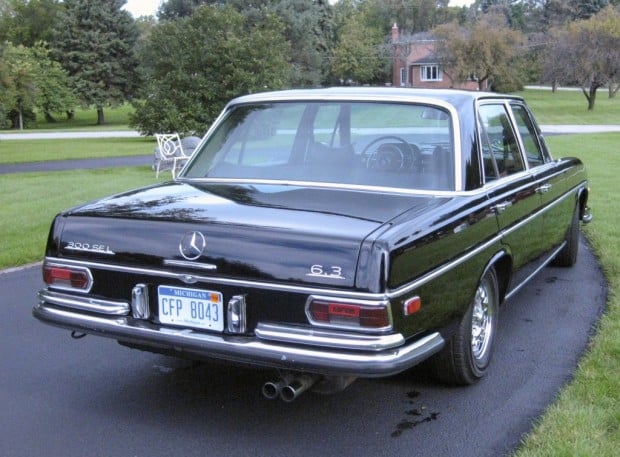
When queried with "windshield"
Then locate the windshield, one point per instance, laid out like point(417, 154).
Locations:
point(357, 143)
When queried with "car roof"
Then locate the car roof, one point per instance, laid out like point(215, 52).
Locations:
point(452, 96)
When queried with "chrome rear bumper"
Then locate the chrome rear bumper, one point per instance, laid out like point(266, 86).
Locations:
point(273, 345)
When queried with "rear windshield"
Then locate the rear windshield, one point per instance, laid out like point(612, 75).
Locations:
point(368, 144)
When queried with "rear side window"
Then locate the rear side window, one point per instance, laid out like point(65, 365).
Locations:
point(500, 150)
point(529, 136)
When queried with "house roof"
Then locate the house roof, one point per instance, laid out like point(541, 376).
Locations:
point(426, 60)
point(417, 37)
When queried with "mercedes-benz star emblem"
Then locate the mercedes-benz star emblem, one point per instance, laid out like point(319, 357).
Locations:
point(192, 245)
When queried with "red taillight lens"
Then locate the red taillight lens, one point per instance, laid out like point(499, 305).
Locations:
point(349, 314)
point(67, 277)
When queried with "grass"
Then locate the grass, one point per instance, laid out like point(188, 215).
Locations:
point(20, 151)
point(585, 420)
point(29, 201)
point(571, 107)
point(86, 119)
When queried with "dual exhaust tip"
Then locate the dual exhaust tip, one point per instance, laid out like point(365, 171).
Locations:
point(289, 387)
point(292, 384)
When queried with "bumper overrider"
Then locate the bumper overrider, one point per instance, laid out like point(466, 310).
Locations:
point(284, 347)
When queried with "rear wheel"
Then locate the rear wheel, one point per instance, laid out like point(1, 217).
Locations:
point(568, 255)
point(467, 355)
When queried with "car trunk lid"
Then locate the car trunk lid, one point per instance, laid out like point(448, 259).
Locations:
point(273, 233)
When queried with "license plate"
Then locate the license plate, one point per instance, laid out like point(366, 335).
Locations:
point(195, 308)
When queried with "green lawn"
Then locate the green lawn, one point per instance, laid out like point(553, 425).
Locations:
point(86, 119)
point(29, 201)
point(571, 107)
point(585, 421)
point(20, 151)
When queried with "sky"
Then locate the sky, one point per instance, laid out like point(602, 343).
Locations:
point(142, 7)
point(149, 7)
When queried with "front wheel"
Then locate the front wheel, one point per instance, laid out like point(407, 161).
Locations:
point(467, 355)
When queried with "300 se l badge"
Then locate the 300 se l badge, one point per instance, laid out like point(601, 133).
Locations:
point(329, 234)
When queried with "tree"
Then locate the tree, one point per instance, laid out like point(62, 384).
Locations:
point(411, 15)
point(486, 51)
point(30, 79)
point(356, 55)
point(309, 30)
point(195, 65)
point(606, 25)
point(22, 70)
point(587, 53)
point(557, 13)
point(28, 22)
point(585, 9)
point(7, 91)
point(54, 94)
point(175, 9)
point(554, 57)
point(95, 44)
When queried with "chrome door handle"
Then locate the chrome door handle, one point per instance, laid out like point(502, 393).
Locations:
point(544, 188)
point(501, 207)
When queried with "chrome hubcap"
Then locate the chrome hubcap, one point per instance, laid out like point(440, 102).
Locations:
point(481, 323)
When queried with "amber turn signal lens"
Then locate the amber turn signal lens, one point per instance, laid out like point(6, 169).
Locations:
point(412, 306)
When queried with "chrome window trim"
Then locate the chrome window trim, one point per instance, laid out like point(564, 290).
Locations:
point(352, 97)
point(325, 185)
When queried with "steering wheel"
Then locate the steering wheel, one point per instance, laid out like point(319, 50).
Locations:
point(383, 155)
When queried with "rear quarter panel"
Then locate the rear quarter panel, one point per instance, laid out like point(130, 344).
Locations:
point(440, 258)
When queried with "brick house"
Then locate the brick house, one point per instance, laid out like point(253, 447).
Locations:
point(415, 63)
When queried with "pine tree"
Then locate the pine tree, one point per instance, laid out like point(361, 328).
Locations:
point(95, 44)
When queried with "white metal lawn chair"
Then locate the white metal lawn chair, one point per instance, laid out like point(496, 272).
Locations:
point(169, 150)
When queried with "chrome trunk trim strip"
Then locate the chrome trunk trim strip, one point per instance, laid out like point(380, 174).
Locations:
point(187, 264)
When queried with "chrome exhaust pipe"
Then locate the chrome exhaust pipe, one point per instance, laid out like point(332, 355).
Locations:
point(297, 386)
point(272, 389)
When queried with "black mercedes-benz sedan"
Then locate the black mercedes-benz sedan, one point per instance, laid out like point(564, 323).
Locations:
point(329, 234)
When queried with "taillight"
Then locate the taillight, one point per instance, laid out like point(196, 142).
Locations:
point(348, 314)
point(66, 277)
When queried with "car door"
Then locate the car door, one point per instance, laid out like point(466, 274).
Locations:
point(511, 189)
point(550, 177)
